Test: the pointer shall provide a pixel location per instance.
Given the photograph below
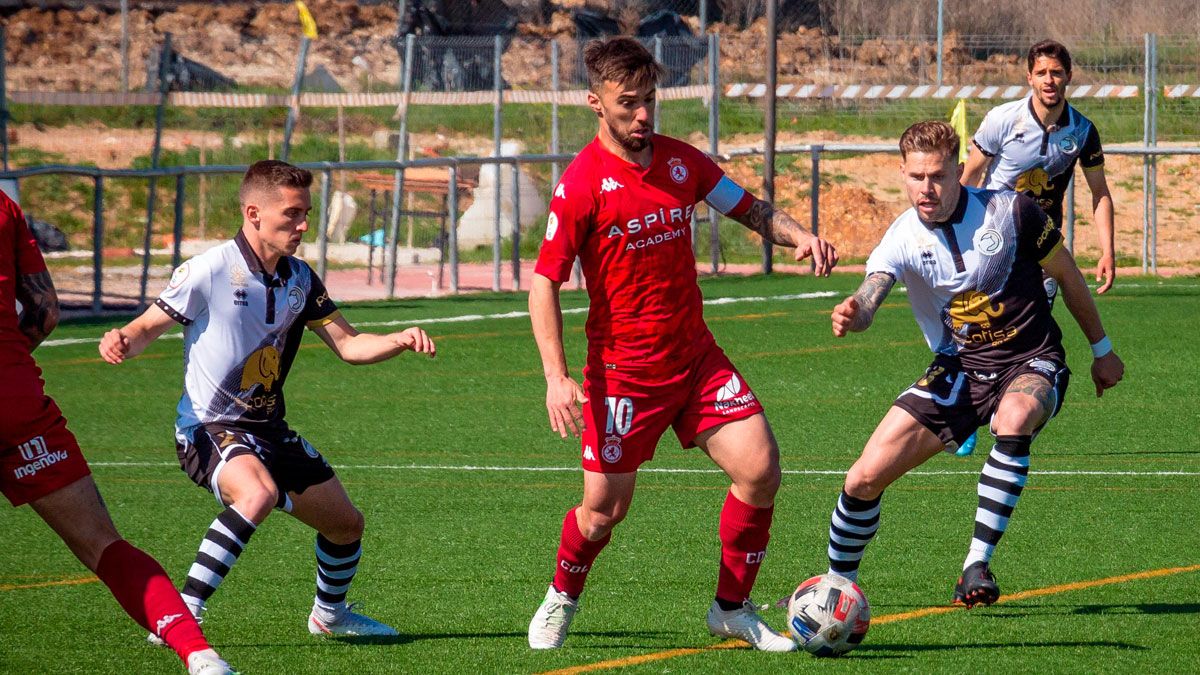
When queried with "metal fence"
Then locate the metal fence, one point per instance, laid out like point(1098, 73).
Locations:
point(431, 102)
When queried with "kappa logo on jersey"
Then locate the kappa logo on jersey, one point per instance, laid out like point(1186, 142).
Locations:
point(679, 172)
point(989, 241)
point(729, 396)
point(551, 225)
point(608, 185)
point(560, 191)
point(611, 452)
point(180, 275)
point(261, 368)
point(295, 300)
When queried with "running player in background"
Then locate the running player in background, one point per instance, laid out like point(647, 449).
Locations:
point(971, 260)
point(624, 207)
point(41, 463)
point(244, 306)
point(1032, 145)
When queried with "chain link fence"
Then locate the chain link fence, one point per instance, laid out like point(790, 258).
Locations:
point(519, 94)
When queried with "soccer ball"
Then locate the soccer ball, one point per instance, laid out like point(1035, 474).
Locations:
point(828, 615)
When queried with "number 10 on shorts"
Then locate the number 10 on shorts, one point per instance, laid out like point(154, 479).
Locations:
point(620, 415)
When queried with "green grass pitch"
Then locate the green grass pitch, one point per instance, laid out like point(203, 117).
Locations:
point(458, 553)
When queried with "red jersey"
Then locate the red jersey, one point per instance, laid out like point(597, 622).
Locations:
point(19, 255)
point(631, 228)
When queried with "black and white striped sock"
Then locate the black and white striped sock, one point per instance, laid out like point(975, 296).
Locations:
point(223, 543)
point(1000, 484)
point(336, 566)
point(851, 528)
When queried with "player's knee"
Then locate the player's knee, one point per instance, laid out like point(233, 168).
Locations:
point(864, 483)
point(597, 524)
point(1019, 416)
point(762, 487)
point(257, 502)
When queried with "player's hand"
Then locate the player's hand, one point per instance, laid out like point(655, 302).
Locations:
point(1107, 371)
point(823, 253)
point(844, 315)
point(114, 346)
point(415, 339)
point(1106, 271)
point(563, 398)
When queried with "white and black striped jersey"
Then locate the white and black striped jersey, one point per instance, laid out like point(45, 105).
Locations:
point(1033, 159)
point(975, 281)
point(242, 327)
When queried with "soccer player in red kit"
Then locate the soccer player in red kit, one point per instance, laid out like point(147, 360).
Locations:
point(41, 464)
point(624, 207)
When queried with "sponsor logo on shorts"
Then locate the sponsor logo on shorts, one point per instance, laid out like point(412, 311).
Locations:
point(38, 456)
point(730, 399)
point(611, 452)
point(1043, 366)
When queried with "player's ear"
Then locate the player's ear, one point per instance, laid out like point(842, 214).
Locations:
point(252, 214)
point(593, 101)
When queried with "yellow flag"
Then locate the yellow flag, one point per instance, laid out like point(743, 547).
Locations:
point(958, 120)
point(308, 25)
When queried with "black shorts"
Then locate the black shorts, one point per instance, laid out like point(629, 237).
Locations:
point(953, 402)
point(294, 464)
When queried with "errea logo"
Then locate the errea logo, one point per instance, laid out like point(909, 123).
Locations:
point(608, 185)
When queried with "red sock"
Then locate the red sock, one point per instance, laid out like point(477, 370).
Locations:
point(744, 531)
point(576, 554)
point(147, 595)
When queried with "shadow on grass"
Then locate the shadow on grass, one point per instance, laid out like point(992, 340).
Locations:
point(1143, 608)
point(898, 651)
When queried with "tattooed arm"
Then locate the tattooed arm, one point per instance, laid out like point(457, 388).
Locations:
point(779, 228)
point(856, 312)
point(40, 302)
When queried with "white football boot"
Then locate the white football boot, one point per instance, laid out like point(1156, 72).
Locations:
point(347, 623)
point(208, 663)
point(548, 629)
point(744, 623)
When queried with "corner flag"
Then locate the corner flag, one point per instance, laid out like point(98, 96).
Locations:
point(958, 120)
point(308, 25)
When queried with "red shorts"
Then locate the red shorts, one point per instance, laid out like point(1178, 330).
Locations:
point(38, 454)
point(626, 415)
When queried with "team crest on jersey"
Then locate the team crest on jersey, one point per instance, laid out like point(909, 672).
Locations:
point(295, 300)
point(989, 241)
point(551, 225)
point(180, 275)
point(237, 276)
point(1068, 144)
point(679, 172)
point(611, 452)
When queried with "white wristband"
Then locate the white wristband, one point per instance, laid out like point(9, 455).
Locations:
point(1102, 348)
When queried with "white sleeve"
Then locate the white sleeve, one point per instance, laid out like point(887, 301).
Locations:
point(187, 294)
point(990, 136)
point(888, 256)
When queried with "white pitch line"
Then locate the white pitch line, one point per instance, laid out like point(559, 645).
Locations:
point(575, 469)
point(463, 318)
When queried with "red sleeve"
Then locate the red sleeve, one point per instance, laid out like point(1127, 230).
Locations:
point(28, 257)
point(572, 212)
